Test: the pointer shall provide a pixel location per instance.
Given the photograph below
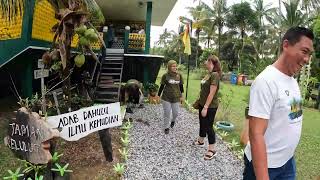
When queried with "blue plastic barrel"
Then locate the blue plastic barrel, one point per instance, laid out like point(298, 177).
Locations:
point(233, 78)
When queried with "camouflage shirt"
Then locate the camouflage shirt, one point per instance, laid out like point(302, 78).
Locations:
point(206, 82)
point(171, 91)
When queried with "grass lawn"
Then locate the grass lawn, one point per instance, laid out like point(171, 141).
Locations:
point(308, 151)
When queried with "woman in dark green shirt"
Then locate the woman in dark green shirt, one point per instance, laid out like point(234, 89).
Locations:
point(172, 87)
point(209, 102)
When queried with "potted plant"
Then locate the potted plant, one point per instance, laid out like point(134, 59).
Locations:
point(152, 90)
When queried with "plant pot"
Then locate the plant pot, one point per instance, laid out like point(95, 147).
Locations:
point(224, 125)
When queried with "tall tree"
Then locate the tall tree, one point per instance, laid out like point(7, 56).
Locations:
point(196, 13)
point(164, 38)
point(263, 12)
point(294, 16)
point(215, 17)
point(242, 18)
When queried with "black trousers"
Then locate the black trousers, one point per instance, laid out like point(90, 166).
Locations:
point(206, 125)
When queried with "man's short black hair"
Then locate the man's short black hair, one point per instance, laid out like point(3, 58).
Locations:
point(294, 34)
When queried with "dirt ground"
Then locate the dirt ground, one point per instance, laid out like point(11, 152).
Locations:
point(86, 157)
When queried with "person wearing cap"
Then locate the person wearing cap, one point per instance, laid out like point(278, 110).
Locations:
point(172, 89)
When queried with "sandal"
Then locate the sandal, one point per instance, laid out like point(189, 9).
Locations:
point(208, 157)
point(198, 143)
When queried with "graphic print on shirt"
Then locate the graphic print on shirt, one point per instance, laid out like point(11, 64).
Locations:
point(172, 81)
point(296, 109)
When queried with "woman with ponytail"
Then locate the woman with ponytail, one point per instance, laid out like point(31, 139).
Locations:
point(208, 102)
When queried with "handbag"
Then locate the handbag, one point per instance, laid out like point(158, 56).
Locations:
point(196, 104)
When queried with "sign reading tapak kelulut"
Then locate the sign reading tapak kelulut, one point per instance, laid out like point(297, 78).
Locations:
point(78, 124)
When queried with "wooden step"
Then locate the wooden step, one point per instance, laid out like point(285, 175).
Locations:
point(107, 100)
point(108, 80)
point(106, 86)
point(105, 77)
point(107, 92)
point(111, 68)
point(114, 57)
point(108, 62)
point(110, 74)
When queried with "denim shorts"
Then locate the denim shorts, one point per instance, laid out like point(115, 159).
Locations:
point(285, 172)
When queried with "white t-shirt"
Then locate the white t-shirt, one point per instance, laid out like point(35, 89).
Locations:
point(276, 97)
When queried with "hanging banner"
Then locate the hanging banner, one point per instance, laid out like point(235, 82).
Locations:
point(78, 124)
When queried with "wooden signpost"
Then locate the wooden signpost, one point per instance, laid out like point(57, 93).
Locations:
point(42, 73)
point(78, 124)
point(28, 137)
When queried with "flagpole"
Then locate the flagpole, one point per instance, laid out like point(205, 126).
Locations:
point(188, 77)
point(188, 62)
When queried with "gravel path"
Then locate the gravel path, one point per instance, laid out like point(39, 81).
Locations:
point(155, 155)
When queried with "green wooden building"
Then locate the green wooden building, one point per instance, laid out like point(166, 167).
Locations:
point(24, 40)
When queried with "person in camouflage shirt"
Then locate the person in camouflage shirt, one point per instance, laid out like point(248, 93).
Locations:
point(172, 87)
point(208, 101)
point(131, 95)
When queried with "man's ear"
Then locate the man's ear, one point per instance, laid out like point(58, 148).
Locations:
point(285, 44)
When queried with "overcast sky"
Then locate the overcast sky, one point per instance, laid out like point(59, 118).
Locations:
point(180, 10)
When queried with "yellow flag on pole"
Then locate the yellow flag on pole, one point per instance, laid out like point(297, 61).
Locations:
point(186, 40)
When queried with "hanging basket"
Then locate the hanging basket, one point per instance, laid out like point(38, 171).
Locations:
point(224, 125)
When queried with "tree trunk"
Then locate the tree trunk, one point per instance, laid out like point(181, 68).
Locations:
point(65, 47)
point(219, 41)
point(240, 54)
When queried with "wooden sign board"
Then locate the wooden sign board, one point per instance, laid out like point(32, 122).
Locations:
point(28, 136)
point(78, 124)
point(40, 64)
point(41, 73)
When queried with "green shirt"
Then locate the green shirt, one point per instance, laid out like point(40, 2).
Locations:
point(206, 82)
point(171, 91)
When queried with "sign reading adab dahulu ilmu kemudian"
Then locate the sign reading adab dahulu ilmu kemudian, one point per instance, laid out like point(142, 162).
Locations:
point(78, 124)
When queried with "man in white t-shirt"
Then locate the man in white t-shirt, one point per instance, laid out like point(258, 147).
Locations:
point(275, 111)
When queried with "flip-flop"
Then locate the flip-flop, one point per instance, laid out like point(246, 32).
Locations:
point(198, 143)
point(208, 157)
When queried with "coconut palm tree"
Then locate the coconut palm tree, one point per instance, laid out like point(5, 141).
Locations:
point(294, 16)
point(164, 38)
point(196, 13)
point(215, 18)
point(308, 5)
point(263, 12)
point(242, 18)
